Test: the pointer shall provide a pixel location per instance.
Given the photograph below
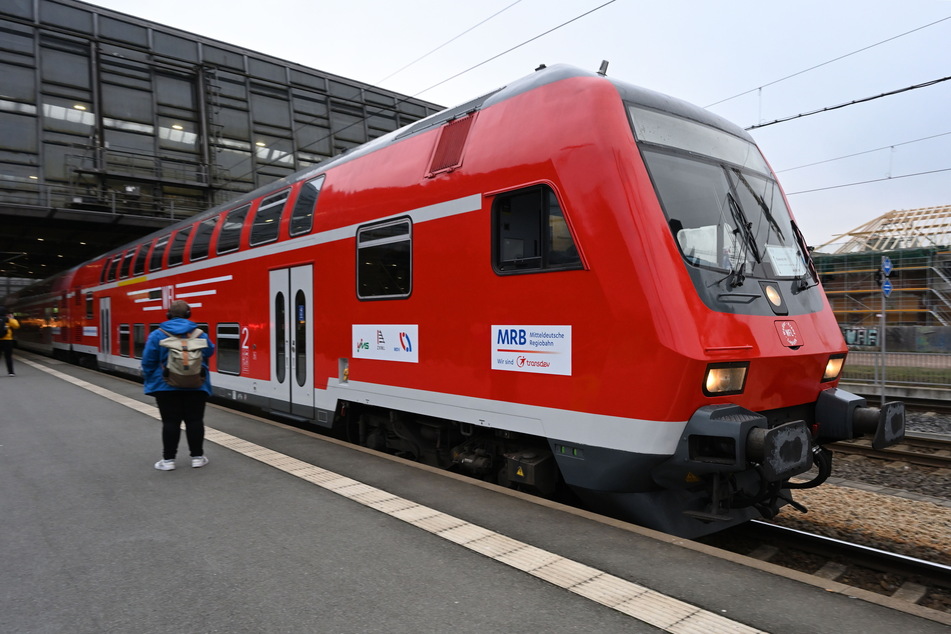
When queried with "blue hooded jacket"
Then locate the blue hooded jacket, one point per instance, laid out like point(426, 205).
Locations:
point(154, 357)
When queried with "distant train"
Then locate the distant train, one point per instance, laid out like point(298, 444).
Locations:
point(570, 283)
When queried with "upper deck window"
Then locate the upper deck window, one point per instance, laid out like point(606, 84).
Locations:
point(229, 238)
point(158, 251)
point(176, 254)
point(385, 259)
point(126, 266)
point(531, 233)
point(302, 217)
point(113, 269)
point(267, 219)
point(138, 267)
point(202, 239)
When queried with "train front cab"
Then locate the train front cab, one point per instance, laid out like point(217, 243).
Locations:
point(751, 278)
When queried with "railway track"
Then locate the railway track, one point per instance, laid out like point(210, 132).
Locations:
point(905, 578)
point(925, 450)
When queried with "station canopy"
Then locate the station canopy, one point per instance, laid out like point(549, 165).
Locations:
point(927, 227)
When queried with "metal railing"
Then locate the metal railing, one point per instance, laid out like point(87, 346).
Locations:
point(899, 368)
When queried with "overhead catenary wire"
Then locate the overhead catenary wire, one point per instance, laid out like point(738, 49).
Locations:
point(407, 98)
point(878, 149)
point(826, 63)
point(447, 42)
point(874, 180)
point(850, 103)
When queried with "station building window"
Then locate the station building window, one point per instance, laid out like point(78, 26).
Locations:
point(531, 234)
point(384, 260)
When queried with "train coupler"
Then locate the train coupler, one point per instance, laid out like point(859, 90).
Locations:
point(842, 415)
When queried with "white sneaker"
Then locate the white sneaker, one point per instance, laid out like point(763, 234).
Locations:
point(199, 461)
point(165, 465)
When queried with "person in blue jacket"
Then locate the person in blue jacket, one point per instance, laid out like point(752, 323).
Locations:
point(177, 405)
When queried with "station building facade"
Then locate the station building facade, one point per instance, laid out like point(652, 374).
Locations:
point(112, 126)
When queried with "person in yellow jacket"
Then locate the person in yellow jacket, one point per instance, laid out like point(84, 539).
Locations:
point(8, 323)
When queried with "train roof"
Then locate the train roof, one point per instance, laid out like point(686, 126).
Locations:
point(543, 76)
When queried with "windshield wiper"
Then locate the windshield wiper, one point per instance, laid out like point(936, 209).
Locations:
point(745, 226)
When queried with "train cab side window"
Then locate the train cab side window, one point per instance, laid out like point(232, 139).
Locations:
point(385, 259)
point(176, 253)
point(138, 267)
point(302, 216)
point(531, 233)
point(158, 251)
point(228, 350)
point(229, 238)
point(267, 219)
point(202, 240)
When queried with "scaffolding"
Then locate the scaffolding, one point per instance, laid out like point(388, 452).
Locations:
point(917, 242)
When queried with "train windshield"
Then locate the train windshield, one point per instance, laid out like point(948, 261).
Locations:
point(723, 206)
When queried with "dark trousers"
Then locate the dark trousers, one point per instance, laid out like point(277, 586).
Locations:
point(6, 345)
point(176, 407)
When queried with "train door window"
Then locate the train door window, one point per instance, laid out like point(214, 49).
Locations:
point(267, 219)
point(158, 251)
point(229, 238)
point(138, 267)
point(202, 240)
point(384, 260)
point(300, 337)
point(280, 337)
point(531, 233)
point(228, 351)
point(113, 271)
point(176, 253)
point(124, 340)
point(302, 216)
point(138, 340)
point(126, 266)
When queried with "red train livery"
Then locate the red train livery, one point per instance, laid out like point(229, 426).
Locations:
point(569, 283)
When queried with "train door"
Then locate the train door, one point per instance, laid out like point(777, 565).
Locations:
point(292, 339)
point(105, 328)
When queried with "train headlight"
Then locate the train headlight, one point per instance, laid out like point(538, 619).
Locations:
point(833, 367)
point(723, 379)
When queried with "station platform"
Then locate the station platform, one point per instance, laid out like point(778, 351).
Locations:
point(289, 531)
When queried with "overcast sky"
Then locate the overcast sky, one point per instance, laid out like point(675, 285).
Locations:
point(702, 52)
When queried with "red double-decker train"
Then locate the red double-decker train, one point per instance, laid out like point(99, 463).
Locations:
point(568, 283)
